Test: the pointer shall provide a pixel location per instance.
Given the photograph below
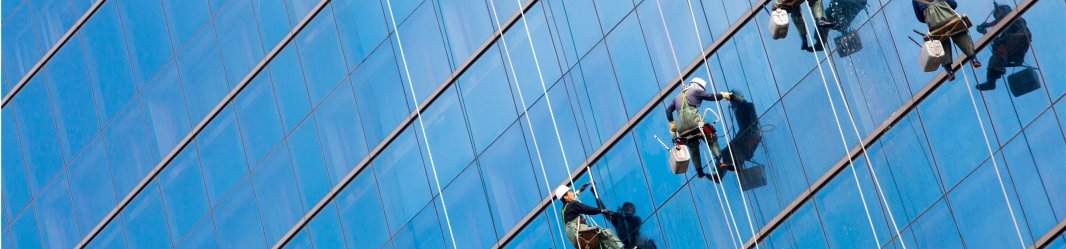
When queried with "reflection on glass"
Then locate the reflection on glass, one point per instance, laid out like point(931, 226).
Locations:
point(627, 223)
point(794, 11)
point(742, 148)
point(1008, 50)
point(841, 13)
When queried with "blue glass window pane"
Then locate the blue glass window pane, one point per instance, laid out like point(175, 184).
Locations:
point(611, 12)
point(467, 210)
point(22, 50)
point(400, 8)
point(72, 99)
point(323, 64)
point(107, 60)
point(203, 236)
point(535, 235)
point(402, 179)
point(146, 224)
point(129, 149)
point(935, 229)
point(52, 18)
point(620, 177)
point(261, 123)
point(33, 115)
point(222, 154)
point(184, 193)
point(276, 188)
point(1047, 148)
point(147, 34)
point(273, 21)
point(16, 192)
point(24, 230)
point(361, 212)
point(380, 94)
point(521, 55)
point(242, 225)
point(203, 76)
point(811, 118)
point(310, 166)
point(907, 173)
point(803, 230)
point(298, 9)
point(425, 54)
point(342, 138)
point(545, 121)
point(636, 78)
point(361, 28)
point(325, 229)
point(600, 92)
point(301, 241)
point(958, 143)
point(978, 206)
point(241, 45)
point(288, 79)
point(424, 231)
point(487, 99)
point(185, 18)
point(842, 209)
point(577, 25)
point(508, 183)
point(166, 116)
point(56, 215)
point(91, 186)
point(467, 25)
point(1045, 46)
point(677, 219)
point(111, 237)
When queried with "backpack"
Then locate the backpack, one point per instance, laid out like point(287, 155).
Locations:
point(688, 116)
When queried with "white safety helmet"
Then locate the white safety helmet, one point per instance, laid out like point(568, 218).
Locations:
point(560, 191)
point(698, 82)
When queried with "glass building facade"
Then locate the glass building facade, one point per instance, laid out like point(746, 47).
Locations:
point(449, 123)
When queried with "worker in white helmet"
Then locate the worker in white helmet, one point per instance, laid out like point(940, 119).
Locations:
point(687, 128)
point(572, 211)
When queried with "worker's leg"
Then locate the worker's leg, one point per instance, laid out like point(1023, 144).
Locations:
point(946, 63)
point(571, 231)
point(694, 150)
point(996, 69)
point(801, 26)
point(817, 9)
point(965, 44)
point(609, 240)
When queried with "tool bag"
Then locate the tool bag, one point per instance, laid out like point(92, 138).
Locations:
point(849, 43)
point(943, 21)
point(932, 55)
point(778, 24)
point(589, 238)
point(679, 159)
point(1025, 81)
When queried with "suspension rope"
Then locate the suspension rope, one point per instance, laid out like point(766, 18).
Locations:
point(992, 156)
point(533, 135)
point(726, 207)
point(866, 154)
point(418, 114)
point(840, 129)
point(725, 131)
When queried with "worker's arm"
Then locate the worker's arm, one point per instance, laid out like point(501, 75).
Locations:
point(918, 10)
point(706, 96)
point(584, 209)
point(670, 111)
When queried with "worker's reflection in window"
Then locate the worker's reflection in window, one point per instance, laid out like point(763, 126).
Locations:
point(742, 148)
point(626, 222)
point(1008, 50)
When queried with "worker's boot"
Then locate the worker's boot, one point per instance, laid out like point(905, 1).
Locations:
point(804, 46)
point(990, 85)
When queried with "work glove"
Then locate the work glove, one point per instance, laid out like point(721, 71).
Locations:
point(673, 128)
point(727, 95)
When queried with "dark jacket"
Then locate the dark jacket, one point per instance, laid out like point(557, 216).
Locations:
point(574, 209)
point(919, 8)
point(696, 96)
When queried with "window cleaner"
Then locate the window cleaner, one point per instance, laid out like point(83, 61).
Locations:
point(578, 231)
point(690, 127)
point(944, 24)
